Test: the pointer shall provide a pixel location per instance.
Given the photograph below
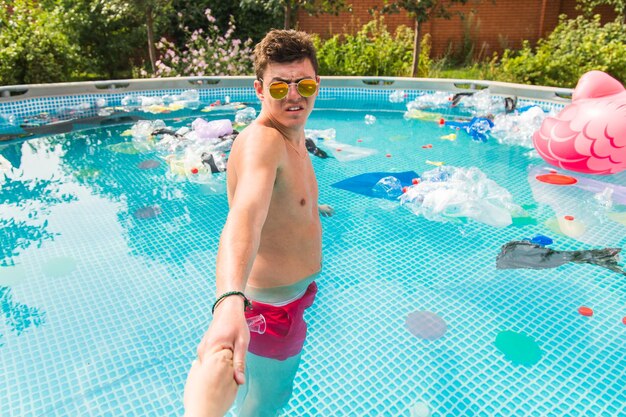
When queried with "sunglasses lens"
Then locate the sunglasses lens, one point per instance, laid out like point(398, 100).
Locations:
point(307, 88)
point(279, 90)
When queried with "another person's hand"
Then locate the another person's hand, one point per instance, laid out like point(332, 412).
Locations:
point(228, 330)
point(210, 388)
point(326, 210)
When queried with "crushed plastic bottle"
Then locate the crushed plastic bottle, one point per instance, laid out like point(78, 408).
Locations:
point(245, 116)
point(131, 102)
point(8, 119)
point(518, 128)
point(389, 188)
point(397, 96)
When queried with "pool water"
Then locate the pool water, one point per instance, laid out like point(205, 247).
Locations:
point(107, 278)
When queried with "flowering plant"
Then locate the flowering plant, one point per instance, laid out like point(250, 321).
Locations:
point(205, 53)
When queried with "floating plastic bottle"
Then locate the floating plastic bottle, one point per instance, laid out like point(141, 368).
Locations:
point(131, 102)
point(245, 116)
point(397, 96)
point(571, 227)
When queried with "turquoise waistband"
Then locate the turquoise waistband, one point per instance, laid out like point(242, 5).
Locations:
point(281, 294)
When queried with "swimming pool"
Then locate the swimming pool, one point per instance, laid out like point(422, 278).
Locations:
point(107, 278)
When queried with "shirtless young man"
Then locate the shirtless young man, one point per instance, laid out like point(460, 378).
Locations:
point(270, 247)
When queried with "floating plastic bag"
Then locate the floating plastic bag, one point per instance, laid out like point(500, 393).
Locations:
point(213, 129)
point(450, 192)
point(345, 153)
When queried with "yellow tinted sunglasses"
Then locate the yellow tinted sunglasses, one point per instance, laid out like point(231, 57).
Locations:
point(279, 89)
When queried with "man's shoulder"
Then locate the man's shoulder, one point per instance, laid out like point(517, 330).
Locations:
point(260, 135)
point(259, 145)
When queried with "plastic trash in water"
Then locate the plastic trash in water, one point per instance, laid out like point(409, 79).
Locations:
point(571, 227)
point(430, 101)
point(257, 324)
point(344, 152)
point(518, 128)
point(389, 188)
point(8, 119)
point(213, 129)
point(397, 96)
point(449, 192)
point(245, 116)
point(324, 134)
point(142, 133)
point(370, 119)
point(420, 409)
point(482, 103)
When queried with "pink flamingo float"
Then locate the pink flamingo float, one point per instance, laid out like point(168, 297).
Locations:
point(588, 135)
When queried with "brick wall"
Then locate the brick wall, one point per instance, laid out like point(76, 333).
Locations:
point(492, 26)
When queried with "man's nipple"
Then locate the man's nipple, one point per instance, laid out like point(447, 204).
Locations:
point(302, 202)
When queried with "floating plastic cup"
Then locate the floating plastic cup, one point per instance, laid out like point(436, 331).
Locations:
point(257, 324)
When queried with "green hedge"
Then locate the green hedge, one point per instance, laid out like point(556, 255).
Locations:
point(372, 51)
point(573, 48)
point(32, 48)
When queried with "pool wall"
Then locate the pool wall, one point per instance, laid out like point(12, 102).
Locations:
point(27, 100)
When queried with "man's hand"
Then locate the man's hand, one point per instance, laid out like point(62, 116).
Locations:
point(325, 210)
point(210, 388)
point(228, 330)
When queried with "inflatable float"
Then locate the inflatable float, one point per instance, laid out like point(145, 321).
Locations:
point(588, 135)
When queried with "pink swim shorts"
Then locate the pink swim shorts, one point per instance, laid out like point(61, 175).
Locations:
point(285, 330)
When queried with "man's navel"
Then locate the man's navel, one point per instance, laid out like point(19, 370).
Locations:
point(303, 202)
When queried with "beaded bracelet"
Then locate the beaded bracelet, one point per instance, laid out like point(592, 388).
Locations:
point(246, 303)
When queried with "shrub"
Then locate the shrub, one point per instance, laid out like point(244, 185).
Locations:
point(573, 48)
point(372, 51)
point(34, 48)
point(209, 53)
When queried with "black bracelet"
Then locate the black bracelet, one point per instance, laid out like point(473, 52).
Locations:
point(246, 303)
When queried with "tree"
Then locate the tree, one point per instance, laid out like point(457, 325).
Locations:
point(289, 8)
point(252, 20)
point(35, 44)
point(148, 9)
point(588, 6)
point(133, 13)
point(108, 35)
point(421, 11)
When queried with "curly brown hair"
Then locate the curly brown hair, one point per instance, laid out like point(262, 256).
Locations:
point(283, 46)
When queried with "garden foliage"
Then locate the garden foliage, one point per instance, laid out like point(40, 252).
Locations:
point(372, 51)
point(34, 47)
point(573, 48)
point(206, 52)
